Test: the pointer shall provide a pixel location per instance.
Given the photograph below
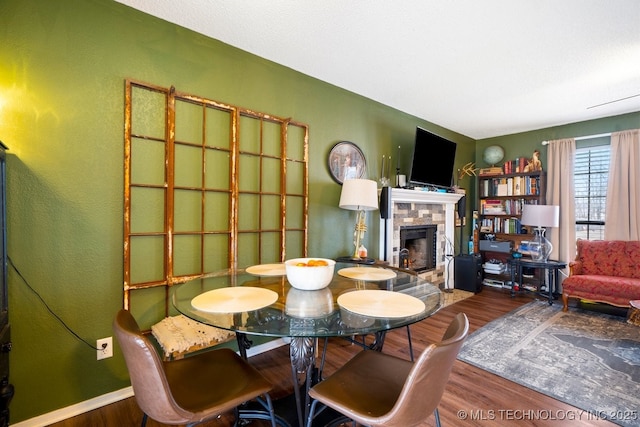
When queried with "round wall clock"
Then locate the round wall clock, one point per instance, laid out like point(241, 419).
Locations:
point(346, 161)
point(493, 154)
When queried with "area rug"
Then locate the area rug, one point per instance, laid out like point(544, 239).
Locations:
point(585, 359)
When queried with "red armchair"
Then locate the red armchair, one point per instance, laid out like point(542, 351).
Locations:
point(604, 271)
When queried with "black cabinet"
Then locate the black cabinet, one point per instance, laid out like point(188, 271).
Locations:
point(468, 272)
point(6, 388)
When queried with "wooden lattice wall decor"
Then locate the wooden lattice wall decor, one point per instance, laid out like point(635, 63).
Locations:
point(208, 186)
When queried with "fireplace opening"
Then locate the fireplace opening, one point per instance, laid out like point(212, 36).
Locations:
point(418, 247)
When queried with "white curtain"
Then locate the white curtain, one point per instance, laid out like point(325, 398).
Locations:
point(560, 192)
point(623, 192)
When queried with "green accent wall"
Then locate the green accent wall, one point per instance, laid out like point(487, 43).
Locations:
point(523, 144)
point(63, 65)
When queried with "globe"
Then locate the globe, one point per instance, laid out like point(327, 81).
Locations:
point(493, 154)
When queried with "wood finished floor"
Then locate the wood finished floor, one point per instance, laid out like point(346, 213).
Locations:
point(497, 401)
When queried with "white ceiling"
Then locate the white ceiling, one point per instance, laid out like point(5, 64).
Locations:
point(480, 68)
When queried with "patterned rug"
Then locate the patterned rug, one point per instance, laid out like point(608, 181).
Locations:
point(585, 359)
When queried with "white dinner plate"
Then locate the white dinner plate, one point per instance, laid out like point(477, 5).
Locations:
point(379, 303)
point(236, 299)
point(267, 270)
point(367, 273)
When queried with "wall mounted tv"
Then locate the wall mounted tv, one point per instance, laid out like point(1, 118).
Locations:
point(432, 162)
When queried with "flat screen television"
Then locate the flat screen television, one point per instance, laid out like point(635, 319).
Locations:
point(432, 162)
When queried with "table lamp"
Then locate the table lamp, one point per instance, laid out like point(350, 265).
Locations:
point(540, 216)
point(359, 195)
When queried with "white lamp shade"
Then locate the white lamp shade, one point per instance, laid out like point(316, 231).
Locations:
point(541, 215)
point(359, 194)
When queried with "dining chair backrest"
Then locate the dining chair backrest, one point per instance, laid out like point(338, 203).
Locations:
point(148, 379)
point(425, 384)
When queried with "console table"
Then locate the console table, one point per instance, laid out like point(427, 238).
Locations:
point(551, 267)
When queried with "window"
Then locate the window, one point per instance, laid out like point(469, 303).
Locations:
point(590, 182)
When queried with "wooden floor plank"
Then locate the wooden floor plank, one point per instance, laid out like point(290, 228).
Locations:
point(473, 397)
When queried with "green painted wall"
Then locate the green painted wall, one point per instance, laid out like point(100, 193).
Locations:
point(62, 69)
point(523, 144)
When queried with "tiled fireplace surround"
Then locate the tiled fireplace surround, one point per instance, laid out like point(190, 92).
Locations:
point(412, 207)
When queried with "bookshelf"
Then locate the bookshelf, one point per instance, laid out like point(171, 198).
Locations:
point(501, 197)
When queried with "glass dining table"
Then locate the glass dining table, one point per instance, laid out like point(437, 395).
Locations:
point(259, 301)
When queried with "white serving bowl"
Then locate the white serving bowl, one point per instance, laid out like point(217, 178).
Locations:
point(309, 278)
point(309, 304)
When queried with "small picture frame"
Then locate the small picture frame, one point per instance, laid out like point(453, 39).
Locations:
point(346, 161)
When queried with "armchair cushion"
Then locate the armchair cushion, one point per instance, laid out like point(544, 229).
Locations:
point(613, 290)
point(609, 258)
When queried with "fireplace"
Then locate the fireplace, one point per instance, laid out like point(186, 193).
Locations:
point(418, 247)
point(412, 208)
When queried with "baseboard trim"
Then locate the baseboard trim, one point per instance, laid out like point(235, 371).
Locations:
point(270, 345)
point(115, 396)
point(77, 409)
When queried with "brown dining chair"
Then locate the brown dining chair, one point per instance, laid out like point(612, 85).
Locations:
point(377, 389)
point(193, 389)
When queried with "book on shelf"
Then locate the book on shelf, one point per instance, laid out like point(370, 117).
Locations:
point(508, 167)
point(514, 206)
point(492, 207)
point(515, 166)
point(494, 283)
point(494, 187)
point(511, 186)
point(511, 226)
point(494, 170)
point(501, 225)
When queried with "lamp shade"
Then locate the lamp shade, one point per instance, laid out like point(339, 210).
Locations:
point(359, 194)
point(541, 215)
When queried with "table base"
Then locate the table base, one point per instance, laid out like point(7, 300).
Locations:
point(293, 410)
point(288, 416)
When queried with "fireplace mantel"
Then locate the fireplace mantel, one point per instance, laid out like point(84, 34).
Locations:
point(401, 195)
point(448, 202)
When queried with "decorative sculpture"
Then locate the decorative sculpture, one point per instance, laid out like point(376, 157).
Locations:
point(534, 164)
point(467, 170)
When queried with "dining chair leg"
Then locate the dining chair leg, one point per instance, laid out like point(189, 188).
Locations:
point(312, 413)
point(410, 343)
point(316, 408)
point(243, 416)
point(323, 358)
point(437, 415)
point(236, 416)
point(269, 406)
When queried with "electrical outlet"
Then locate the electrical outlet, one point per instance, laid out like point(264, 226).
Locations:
point(105, 348)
